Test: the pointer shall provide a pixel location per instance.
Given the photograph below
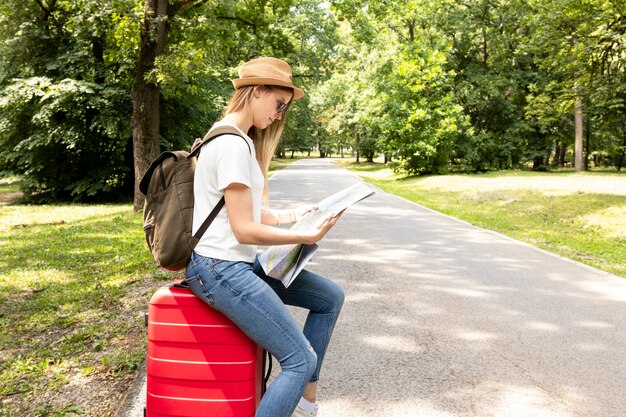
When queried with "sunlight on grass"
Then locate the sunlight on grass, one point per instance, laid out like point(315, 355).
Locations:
point(611, 221)
point(548, 185)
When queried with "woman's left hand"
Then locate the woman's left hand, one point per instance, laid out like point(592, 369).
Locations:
point(302, 211)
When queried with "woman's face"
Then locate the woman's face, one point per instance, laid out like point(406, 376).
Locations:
point(269, 105)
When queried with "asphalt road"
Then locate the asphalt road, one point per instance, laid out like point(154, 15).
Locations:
point(446, 319)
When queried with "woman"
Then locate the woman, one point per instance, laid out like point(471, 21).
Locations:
point(224, 270)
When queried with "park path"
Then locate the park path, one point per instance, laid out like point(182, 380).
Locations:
point(445, 319)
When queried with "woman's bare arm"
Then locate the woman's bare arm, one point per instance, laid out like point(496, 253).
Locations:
point(239, 206)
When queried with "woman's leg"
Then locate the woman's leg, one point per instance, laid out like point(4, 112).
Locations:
point(234, 289)
point(322, 297)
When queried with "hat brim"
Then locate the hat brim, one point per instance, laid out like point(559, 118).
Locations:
point(244, 82)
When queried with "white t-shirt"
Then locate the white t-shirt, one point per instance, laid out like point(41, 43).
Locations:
point(224, 161)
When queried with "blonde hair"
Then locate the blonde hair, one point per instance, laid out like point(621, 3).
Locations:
point(265, 140)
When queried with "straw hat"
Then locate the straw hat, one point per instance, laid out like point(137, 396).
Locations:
point(266, 71)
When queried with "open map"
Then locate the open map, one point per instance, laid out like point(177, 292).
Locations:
point(285, 262)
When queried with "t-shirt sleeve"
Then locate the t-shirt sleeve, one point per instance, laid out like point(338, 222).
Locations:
point(232, 158)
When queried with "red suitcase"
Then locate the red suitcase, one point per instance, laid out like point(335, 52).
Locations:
point(199, 364)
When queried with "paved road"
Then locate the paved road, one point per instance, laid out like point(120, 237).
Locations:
point(445, 319)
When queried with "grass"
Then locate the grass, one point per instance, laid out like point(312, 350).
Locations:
point(279, 163)
point(9, 185)
point(578, 216)
point(74, 285)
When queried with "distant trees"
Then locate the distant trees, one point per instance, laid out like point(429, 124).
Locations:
point(63, 101)
point(91, 91)
point(485, 84)
point(72, 71)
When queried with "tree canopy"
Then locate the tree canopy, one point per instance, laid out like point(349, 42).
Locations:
point(434, 85)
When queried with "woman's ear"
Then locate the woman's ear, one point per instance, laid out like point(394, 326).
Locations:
point(257, 91)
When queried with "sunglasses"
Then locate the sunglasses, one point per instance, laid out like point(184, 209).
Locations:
point(282, 107)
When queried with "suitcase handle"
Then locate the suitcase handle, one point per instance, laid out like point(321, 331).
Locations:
point(266, 378)
point(181, 283)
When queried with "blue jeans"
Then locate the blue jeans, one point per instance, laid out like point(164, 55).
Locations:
point(256, 304)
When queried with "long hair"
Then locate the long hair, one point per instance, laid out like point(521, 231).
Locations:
point(265, 140)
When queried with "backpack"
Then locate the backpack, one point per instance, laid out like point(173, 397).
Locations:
point(168, 209)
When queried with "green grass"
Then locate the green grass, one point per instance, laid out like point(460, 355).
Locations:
point(75, 282)
point(279, 163)
point(578, 216)
point(9, 185)
point(74, 285)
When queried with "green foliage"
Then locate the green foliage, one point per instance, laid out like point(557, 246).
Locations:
point(67, 70)
point(485, 84)
point(579, 47)
point(392, 86)
point(63, 105)
point(67, 138)
point(208, 43)
point(433, 84)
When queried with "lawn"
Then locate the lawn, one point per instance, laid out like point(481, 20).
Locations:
point(578, 216)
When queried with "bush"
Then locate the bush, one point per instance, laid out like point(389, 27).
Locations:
point(66, 138)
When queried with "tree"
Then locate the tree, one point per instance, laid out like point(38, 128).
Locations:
point(399, 90)
point(63, 103)
point(580, 46)
point(146, 93)
point(212, 40)
point(90, 58)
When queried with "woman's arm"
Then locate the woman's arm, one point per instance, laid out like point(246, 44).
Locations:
point(239, 206)
point(276, 217)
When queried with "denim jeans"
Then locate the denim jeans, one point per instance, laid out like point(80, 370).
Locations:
point(256, 304)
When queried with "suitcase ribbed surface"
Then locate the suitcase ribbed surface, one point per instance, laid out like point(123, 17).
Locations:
point(199, 363)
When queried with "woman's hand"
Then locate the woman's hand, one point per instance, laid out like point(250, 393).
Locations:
point(314, 235)
point(302, 211)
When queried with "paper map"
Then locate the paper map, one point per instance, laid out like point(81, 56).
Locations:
point(285, 262)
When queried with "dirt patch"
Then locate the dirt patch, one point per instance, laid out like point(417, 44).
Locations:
point(8, 198)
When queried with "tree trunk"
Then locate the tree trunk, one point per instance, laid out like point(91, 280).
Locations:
point(540, 160)
point(145, 118)
point(587, 148)
point(562, 152)
point(621, 158)
point(578, 144)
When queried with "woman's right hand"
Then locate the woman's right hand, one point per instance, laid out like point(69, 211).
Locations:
point(314, 235)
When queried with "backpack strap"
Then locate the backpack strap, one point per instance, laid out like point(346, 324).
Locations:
point(214, 133)
point(212, 215)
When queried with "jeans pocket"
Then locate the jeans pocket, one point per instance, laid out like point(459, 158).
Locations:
point(200, 288)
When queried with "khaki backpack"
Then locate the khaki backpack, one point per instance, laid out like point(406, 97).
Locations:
point(168, 209)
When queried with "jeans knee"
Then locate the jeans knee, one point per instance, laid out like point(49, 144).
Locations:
point(303, 361)
point(338, 296)
point(311, 361)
